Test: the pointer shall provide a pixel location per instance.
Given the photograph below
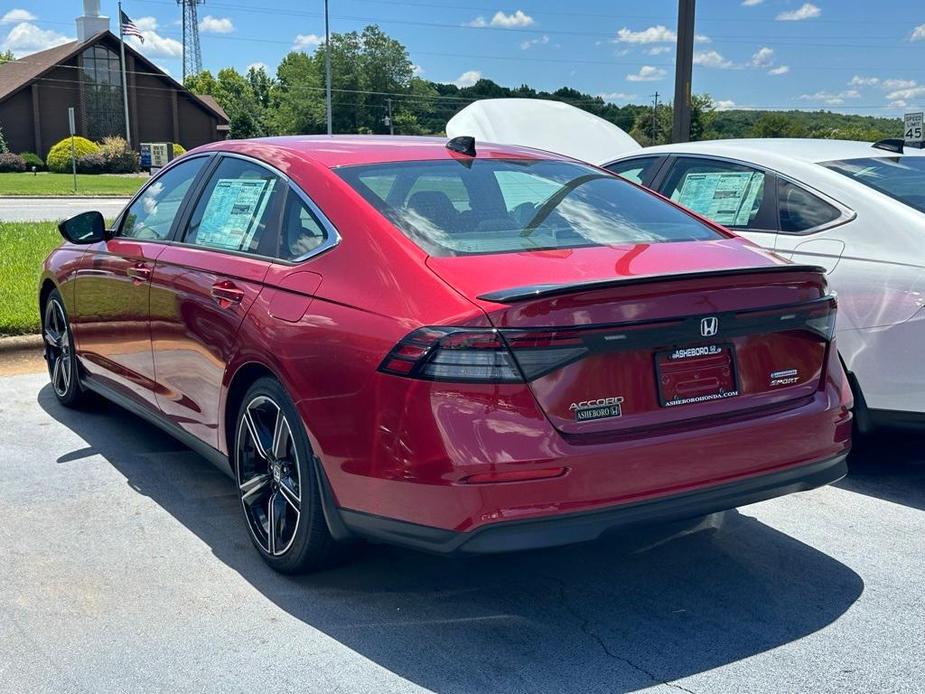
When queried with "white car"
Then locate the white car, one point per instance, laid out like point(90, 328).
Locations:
point(853, 208)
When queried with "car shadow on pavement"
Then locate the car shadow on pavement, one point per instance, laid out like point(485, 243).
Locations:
point(621, 614)
point(889, 466)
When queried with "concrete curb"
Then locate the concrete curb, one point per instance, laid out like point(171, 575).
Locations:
point(20, 343)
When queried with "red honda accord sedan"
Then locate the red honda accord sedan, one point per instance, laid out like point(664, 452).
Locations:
point(457, 347)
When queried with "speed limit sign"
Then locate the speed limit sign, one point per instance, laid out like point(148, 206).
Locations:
point(912, 129)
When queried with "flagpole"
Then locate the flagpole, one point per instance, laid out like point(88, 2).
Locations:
point(128, 131)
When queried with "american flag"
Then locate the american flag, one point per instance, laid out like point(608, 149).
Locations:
point(129, 28)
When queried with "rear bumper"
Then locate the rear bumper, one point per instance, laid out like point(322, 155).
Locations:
point(562, 529)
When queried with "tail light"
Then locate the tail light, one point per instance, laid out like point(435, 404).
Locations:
point(479, 355)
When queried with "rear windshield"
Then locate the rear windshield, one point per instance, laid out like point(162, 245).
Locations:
point(464, 207)
point(902, 178)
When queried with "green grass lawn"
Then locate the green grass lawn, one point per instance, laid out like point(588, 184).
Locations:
point(43, 184)
point(23, 247)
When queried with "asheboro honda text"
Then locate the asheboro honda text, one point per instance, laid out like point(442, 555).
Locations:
point(452, 346)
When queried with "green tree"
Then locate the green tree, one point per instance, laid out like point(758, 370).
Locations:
point(777, 125)
point(7, 56)
point(297, 99)
point(235, 94)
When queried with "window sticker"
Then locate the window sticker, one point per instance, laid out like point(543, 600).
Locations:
point(233, 212)
point(726, 198)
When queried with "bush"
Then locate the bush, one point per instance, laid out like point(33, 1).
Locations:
point(33, 159)
point(59, 156)
point(92, 163)
point(11, 162)
point(117, 156)
point(178, 150)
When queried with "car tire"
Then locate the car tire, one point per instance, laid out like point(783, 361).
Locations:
point(274, 467)
point(59, 353)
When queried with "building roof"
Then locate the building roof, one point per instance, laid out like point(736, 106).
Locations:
point(210, 101)
point(17, 74)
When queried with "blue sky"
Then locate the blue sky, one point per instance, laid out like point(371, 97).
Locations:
point(844, 55)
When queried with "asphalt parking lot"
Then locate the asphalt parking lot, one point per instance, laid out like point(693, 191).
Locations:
point(125, 567)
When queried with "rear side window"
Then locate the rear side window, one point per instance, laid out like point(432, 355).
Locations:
point(800, 210)
point(730, 194)
point(151, 216)
point(638, 170)
point(237, 209)
point(301, 232)
point(463, 207)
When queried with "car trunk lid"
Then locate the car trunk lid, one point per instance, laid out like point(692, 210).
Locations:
point(725, 330)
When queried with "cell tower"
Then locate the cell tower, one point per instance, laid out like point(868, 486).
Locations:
point(192, 54)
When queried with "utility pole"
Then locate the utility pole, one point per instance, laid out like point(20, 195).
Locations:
point(684, 66)
point(388, 118)
point(655, 119)
point(192, 53)
point(327, 68)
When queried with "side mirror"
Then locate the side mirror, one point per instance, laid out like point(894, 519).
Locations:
point(87, 227)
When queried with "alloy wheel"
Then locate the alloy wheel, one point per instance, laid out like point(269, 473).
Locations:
point(58, 348)
point(268, 475)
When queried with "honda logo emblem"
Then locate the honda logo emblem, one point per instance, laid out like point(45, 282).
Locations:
point(709, 326)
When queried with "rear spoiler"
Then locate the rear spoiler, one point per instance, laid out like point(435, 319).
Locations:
point(542, 291)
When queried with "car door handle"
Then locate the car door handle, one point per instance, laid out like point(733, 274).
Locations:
point(139, 272)
point(227, 293)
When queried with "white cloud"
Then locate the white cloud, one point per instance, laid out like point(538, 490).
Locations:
point(724, 104)
point(898, 84)
point(146, 23)
point(542, 40)
point(807, 11)
point(917, 34)
point(154, 45)
point(905, 94)
point(859, 81)
point(216, 25)
point(258, 66)
point(832, 98)
point(507, 21)
point(303, 41)
point(616, 96)
point(712, 59)
point(751, 3)
point(899, 103)
point(779, 70)
point(416, 70)
point(468, 78)
point(763, 57)
point(26, 38)
point(647, 73)
point(658, 50)
point(654, 34)
point(17, 15)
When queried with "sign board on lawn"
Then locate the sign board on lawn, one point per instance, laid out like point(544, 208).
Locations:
point(156, 155)
point(912, 129)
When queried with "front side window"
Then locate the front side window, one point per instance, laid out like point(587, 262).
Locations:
point(730, 194)
point(452, 207)
point(902, 178)
point(151, 216)
point(238, 209)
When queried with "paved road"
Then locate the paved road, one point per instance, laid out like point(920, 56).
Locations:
point(124, 566)
point(43, 209)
